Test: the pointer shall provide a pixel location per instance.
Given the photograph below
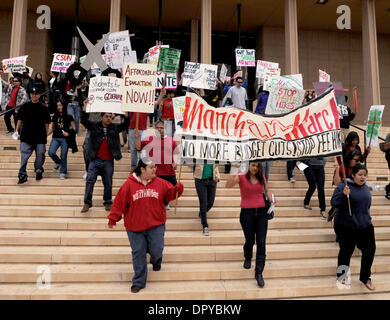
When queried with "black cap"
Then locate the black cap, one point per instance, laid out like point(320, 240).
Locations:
point(35, 90)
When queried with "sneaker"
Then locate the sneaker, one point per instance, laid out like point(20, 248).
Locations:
point(206, 231)
point(167, 207)
point(85, 208)
point(156, 268)
point(62, 176)
point(9, 132)
point(22, 179)
point(108, 206)
point(260, 280)
point(85, 175)
point(135, 289)
point(99, 178)
point(56, 167)
point(323, 215)
point(292, 180)
point(307, 207)
point(247, 264)
point(38, 175)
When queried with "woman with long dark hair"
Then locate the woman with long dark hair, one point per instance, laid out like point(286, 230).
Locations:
point(253, 216)
point(352, 143)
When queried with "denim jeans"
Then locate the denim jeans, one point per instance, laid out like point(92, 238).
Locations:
point(290, 168)
point(169, 126)
point(153, 117)
point(133, 151)
point(104, 168)
point(266, 166)
point(315, 177)
point(54, 145)
point(74, 110)
point(85, 144)
point(149, 241)
point(206, 189)
point(26, 151)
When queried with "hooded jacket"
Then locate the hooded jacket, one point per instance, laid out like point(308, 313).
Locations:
point(360, 199)
point(20, 98)
point(143, 206)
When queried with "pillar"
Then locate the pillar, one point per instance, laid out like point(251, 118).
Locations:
point(18, 31)
point(370, 55)
point(115, 16)
point(291, 37)
point(194, 40)
point(206, 31)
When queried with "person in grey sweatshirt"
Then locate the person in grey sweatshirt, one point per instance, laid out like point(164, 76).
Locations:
point(354, 228)
point(315, 177)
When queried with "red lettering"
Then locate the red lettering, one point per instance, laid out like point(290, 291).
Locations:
point(317, 116)
point(188, 119)
point(335, 112)
point(239, 124)
point(329, 127)
point(211, 121)
point(312, 128)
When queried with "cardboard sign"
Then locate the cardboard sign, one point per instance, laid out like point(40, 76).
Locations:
point(154, 53)
point(283, 100)
point(262, 67)
point(168, 60)
point(373, 125)
point(105, 95)
point(171, 82)
point(201, 76)
point(223, 73)
point(17, 64)
point(117, 48)
point(245, 58)
point(61, 62)
point(215, 135)
point(179, 104)
point(139, 83)
point(323, 76)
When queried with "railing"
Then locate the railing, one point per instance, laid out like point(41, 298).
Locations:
point(361, 129)
point(16, 108)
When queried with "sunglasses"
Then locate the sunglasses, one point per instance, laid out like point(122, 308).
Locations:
point(239, 82)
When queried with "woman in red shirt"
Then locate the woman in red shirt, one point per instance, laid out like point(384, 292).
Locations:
point(253, 217)
point(166, 108)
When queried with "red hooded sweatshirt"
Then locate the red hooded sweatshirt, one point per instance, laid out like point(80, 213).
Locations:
point(143, 206)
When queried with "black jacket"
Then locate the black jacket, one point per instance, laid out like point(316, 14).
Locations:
point(97, 136)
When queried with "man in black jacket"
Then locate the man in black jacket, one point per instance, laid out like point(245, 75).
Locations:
point(102, 148)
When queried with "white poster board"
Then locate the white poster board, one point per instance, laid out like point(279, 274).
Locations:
point(61, 62)
point(17, 64)
point(223, 73)
point(262, 67)
point(154, 53)
point(201, 76)
point(245, 58)
point(282, 100)
point(117, 48)
point(323, 76)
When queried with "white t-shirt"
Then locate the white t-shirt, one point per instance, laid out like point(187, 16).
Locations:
point(238, 96)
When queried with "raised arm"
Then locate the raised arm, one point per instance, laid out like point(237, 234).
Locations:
point(232, 181)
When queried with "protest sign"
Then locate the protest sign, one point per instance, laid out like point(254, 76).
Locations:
point(262, 67)
point(282, 100)
point(30, 71)
point(139, 87)
point(105, 95)
point(223, 73)
point(245, 58)
point(293, 81)
point(168, 60)
point(154, 53)
point(373, 124)
point(61, 62)
point(179, 104)
point(17, 64)
point(201, 76)
point(321, 87)
point(117, 47)
point(323, 76)
point(215, 135)
point(269, 74)
point(131, 58)
point(171, 82)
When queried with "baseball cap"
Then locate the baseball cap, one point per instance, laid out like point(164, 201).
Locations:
point(35, 90)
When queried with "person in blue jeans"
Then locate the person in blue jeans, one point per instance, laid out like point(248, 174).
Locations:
point(61, 129)
point(74, 110)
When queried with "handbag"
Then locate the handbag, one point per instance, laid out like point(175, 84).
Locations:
point(332, 212)
point(270, 215)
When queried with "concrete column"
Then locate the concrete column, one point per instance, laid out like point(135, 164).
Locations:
point(372, 92)
point(123, 23)
point(18, 32)
point(115, 16)
point(206, 31)
point(291, 37)
point(194, 40)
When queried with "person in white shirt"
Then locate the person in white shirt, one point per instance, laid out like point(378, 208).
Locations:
point(237, 94)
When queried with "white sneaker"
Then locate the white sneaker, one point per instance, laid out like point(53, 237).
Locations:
point(206, 231)
point(99, 178)
point(62, 176)
point(56, 167)
point(85, 175)
point(292, 180)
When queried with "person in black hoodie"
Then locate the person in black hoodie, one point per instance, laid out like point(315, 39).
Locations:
point(355, 229)
point(103, 147)
point(40, 84)
point(348, 116)
point(63, 127)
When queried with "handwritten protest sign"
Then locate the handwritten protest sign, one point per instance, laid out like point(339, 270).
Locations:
point(293, 81)
point(245, 58)
point(117, 47)
point(154, 53)
point(282, 100)
point(105, 95)
point(139, 87)
point(321, 87)
point(269, 74)
point(215, 135)
point(323, 76)
point(179, 105)
point(61, 62)
point(202, 76)
point(168, 60)
point(17, 64)
point(373, 124)
point(262, 67)
point(223, 73)
point(131, 58)
point(171, 82)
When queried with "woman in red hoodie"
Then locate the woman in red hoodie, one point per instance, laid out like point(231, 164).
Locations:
point(142, 200)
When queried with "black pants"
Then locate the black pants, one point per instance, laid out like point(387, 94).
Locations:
point(254, 223)
point(206, 189)
point(315, 177)
point(364, 239)
point(7, 118)
point(171, 179)
point(290, 168)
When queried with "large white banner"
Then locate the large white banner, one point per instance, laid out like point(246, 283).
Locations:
point(61, 62)
point(236, 135)
point(139, 84)
point(262, 67)
point(201, 76)
point(117, 49)
point(105, 95)
point(17, 64)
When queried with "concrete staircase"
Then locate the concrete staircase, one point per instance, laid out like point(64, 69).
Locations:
point(41, 225)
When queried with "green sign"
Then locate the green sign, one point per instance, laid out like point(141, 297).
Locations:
point(168, 61)
point(373, 125)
